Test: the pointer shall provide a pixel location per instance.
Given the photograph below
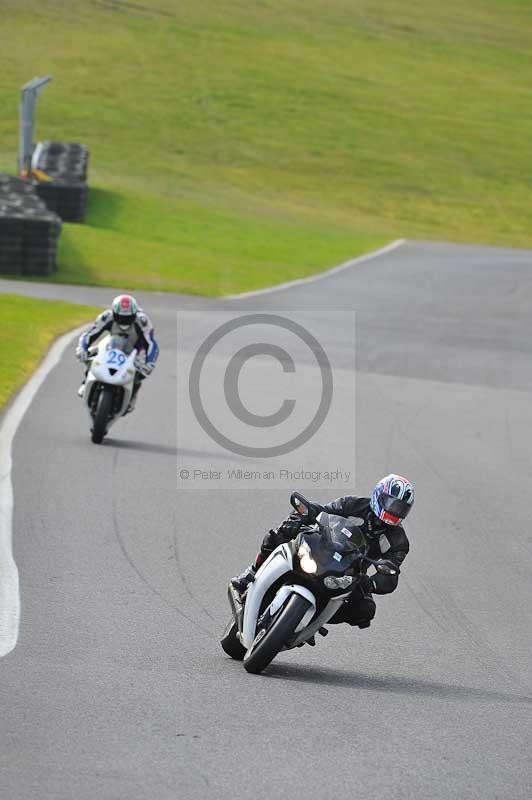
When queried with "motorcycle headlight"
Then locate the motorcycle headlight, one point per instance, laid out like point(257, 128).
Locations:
point(338, 581)
point(306, 562)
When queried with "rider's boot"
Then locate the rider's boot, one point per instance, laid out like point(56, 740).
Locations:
point(131, 406)
point(81, 390)
point(133, 401)
point(242, 581)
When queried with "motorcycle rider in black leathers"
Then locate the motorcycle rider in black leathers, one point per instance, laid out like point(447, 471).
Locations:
point(379, 517)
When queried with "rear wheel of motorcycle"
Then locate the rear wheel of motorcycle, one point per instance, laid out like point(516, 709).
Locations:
point(230, 644)
point(103, 412)
point(259, 656)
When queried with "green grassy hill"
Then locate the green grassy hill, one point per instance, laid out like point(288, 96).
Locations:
point(235, 144)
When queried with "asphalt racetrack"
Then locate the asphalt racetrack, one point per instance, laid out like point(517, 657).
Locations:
point(118, 687)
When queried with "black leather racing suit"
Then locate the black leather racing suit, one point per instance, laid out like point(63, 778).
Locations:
point(385, 541)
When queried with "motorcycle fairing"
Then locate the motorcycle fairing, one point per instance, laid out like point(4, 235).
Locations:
point(294, 588)
point(278, 563)
point(99, 372)
point(328, 612)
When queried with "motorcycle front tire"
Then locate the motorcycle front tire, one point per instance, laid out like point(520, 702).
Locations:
point(282, 629)
point(103, 412)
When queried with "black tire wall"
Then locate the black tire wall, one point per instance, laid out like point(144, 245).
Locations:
point(65, 191)
point(28, 230)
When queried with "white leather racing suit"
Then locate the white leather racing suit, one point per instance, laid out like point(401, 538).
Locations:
point(140, 335)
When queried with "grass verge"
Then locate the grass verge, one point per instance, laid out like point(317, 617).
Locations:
point(28, 328)
point(238, 251)
point(237, 144)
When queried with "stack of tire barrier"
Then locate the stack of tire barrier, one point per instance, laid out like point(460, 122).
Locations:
point(28, 230)
point(63, 186)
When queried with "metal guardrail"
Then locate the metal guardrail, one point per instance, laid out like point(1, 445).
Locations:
point(28, 98)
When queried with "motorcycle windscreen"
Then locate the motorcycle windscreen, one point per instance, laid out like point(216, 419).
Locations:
point(330, 555)
point(343, 534)
point(117, 342)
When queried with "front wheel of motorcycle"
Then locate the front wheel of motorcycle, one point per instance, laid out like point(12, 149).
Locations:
point(103, 412)
point(282, 629)
point(230, 644)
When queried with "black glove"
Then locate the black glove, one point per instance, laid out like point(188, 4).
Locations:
point(270, 542)
point(291, 526)
point(286, 531)
point(365, 584)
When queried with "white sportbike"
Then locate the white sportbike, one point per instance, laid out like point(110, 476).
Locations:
point(299, 588)
point(109, 384)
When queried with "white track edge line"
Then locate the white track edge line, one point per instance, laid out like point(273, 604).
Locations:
point(388, 248)
point(9, 583)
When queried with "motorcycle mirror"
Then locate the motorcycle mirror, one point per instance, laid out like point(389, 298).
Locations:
point(387, 568)
point(300, 503)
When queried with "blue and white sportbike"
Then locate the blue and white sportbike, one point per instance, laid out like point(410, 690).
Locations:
point(109, 384)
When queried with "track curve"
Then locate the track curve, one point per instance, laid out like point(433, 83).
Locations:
point(118, 687)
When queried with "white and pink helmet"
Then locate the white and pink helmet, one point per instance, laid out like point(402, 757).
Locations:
point(392, 499)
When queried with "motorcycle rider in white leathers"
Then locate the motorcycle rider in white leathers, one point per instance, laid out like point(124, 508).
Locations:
point(125, 319)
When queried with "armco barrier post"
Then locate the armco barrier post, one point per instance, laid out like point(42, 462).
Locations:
point(28, 97)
